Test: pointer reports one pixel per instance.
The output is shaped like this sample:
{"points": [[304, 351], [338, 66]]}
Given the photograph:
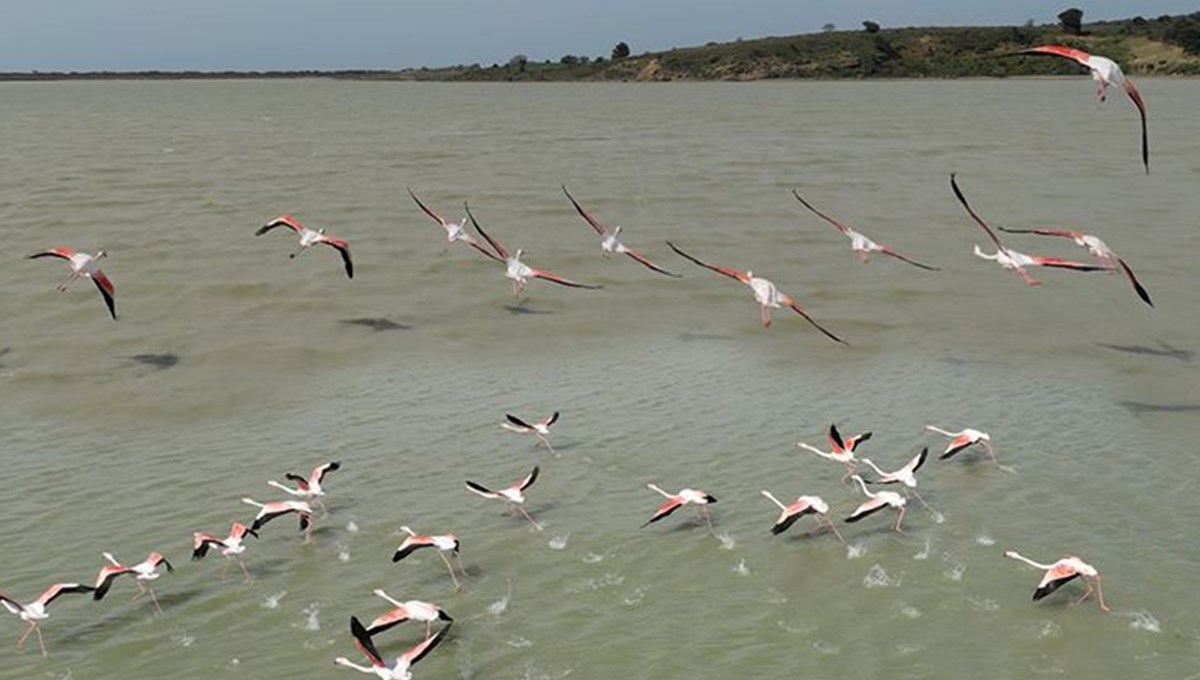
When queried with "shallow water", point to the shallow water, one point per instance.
{"points": [[231, 365]]}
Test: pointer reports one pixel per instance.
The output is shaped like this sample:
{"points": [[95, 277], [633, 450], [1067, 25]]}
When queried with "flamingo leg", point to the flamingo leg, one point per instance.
{"points": [[308, 531], [899, 519], [707, 518], [67, 281], [1028, 279], [826, 521], [225, 569], [1087, 592], [851, 468], [428, 629], [244, 571], [298, 251], [1100, 596], [546, 441], [21, 642], [988, 448], [41, 643], [531, 520], [927, 506], [141, 591], [864, 256], [154, 599], [450, 568], [766, 316]]}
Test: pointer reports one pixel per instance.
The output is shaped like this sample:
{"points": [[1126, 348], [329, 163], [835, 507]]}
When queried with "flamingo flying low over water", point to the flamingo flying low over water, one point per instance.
{"points": [[146, 570], [271, 510], [35, 612], [1061, 572], [513, 494], [455, 231], [765, 292], [1107, 73], [310, 237], [675, 501], [1011, 259], [517, 271], [398, 669], [877, 501], [231, 546], [309, 488], [840, 450], [803, 505], [445, 543], [86, 265], [962, 439], [415, 610], [1098, 249], [539, 429], [859, 243], [906, 475], [610, 242]]}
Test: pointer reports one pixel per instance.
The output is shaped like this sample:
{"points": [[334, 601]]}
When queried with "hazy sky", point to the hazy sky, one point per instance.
{"points": [[83, 35]]}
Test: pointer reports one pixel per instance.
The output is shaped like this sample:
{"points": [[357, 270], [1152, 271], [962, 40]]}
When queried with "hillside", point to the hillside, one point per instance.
{"points": [[1142, 46]]}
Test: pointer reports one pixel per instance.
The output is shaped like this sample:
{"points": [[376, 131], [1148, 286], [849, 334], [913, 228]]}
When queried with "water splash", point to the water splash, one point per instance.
{"points": [[184, 640], [606, 581], [826, 647], [1049, 629], [878, 578], [911, 612], [1144, 620], [272, 601], [311, 622], [500, 606], [954, 569], [343, 552], [984, 605], [592, 558], [559, 542], [924, 553], [726, 540], [636, 598], [741, 568], [352, 527], [855, 550], [984, 539], [519, 643], [938, 517]]}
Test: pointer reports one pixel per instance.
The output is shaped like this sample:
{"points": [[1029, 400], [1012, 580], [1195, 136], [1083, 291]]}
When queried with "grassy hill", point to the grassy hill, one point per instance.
{"points": [[1143, 46]]}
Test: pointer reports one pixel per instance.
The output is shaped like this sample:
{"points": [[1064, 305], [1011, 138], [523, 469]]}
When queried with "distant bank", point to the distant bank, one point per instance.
{"points": [[1166, 45]]}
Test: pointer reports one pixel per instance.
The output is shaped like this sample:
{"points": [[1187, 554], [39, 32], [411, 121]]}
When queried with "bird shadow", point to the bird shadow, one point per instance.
{"points": [[1140, 407], [520, 308], [161, 361], [378, 324], [135, 613], [1163, 350]]}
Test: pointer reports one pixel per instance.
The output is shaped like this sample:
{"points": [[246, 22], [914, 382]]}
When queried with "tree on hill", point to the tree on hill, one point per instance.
{"points": [[620, 51], [871, 26], [1072, 20], [828, 28]]}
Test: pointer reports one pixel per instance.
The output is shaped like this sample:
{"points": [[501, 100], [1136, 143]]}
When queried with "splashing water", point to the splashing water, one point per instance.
{"points": [[726, 540], [825, 647], [741, 568], [938, 517], [878, 578], [983, 539], [352, 527], [272, 601], [1144, 620], [559, 542], [311, 622], [592, 558], [924, 553], [500, 606], [636, 597], [855, 550], [184, 640], [985, 605], [519, 643], [343, 552], [954, 569], [911, 612]]}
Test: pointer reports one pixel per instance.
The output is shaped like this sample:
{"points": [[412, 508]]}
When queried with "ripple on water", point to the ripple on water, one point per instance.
{"points": [[878, 578], [1144, 620], [559, 542], [272, 601]]}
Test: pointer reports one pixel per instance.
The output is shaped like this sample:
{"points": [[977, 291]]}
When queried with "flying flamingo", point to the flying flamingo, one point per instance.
{"points": [[1099, 250], [398, 669], [513, 494], [803, 505], [445, 543], [905, 475], [1060, 573], [610, 242], [87, 265], [35, 612], [765, 292], [1107, 74], [455, 231], [539, 429], [876, 501], [858, 242], [309, 237], [412, 609], [1011, 259], [231, 546], [962, 439], [677, 500], [310, 488], [273, 509], [517, 271], [841, 450], [146, 570]]}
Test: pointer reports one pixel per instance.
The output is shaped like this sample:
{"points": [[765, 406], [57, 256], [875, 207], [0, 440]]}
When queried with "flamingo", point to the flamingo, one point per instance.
{"points": [[841, 450], [610, 242], [273, 509], [231, 546], [455, 231], [803, 505], [1060, 573], [1098, 249], [309, 237], [35, 612], [146, 570], [876, 501], [517, 271], [905, 475], [1011, 259], [398, 669], [310, 488], [962, 439], [445, 543], [859, 243], [1107, 74], [675, 501], [765, 292], [86, 265], [411, 609], [513, 494], [539, 429]]}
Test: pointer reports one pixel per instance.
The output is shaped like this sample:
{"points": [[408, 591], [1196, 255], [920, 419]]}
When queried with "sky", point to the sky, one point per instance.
{"points": [[246, 35]]}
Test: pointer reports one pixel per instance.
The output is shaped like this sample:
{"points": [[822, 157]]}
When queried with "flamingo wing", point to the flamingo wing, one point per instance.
{"points": [[1060, 263], [551, 420], [436, 217], [785, 521], [957, 444], [891, 253], [1043, 232], [319, 472], [1055, 578], [796, 308], [840, 226], [647, 263], [671, 505], [1137, 286], [301, 483], [344, 248], [53, 592], [409, 545], [978, 220], [1060, 51], [600, 228], [418, 651], [528, 480], [201, 542], [362, 640], [555, 278], [107, 291], [731, 273], [517, 421], [388, 620], [869, 507], [1136, 98], [281, 221], [481, 490], [917, 461], [64, 253], [835, 439], [496, 245]]}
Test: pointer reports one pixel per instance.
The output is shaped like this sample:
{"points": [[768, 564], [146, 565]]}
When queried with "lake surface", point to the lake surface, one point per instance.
{"points": [[232, 365]]}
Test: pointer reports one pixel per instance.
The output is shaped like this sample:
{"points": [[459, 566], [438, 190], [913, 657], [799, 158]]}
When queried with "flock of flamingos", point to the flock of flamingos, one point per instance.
{"points": [[308, 492]]}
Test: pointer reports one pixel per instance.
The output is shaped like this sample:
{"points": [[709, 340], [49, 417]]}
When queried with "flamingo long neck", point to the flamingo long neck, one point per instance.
{"points": [[408, 531], [1018, 556], [109, 556], [387, 597], [342, 661], [863, 484], [653, 487], [251, 501], [774, 499], [874, 467]]}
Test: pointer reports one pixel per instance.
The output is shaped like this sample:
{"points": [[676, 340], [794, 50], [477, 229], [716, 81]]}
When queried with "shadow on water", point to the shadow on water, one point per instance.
{"points": [[1163, 350], [159, 361], [703, 337], [3, 352], [520, 308], [1140, 407], [378, 324]]}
